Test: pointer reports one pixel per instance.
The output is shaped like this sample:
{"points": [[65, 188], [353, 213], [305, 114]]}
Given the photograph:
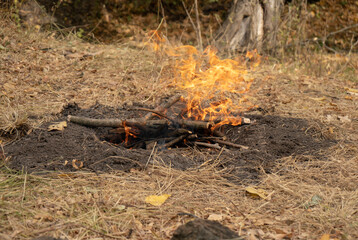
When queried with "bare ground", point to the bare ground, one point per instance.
{"points": [[309, 194]]}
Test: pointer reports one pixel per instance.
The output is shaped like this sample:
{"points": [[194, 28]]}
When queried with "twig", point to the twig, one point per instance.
{"points": [[150, 156], [230, 144], [209, 145], [164, 106], [335, 32], [179, 131], [198, 25], [342, 30], [24, 189], [175, 141], [190, 19], [152, 111], [241, 120]]}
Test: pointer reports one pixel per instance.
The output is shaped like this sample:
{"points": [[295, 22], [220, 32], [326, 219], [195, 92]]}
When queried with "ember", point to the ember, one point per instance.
{"points": [[213, 94]]}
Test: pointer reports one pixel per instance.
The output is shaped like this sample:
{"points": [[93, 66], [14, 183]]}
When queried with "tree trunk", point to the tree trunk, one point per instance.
{"points": [[251, 24]]}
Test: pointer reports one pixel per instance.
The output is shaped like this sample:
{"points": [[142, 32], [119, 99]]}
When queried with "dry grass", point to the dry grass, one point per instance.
{"points": [[37, 83]]}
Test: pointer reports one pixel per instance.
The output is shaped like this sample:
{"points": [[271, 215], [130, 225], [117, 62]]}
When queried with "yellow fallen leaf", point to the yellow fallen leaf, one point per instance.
{"points": [[157, 200], [331, 130], [325, 237], [57, 126], [351, 90], [257, 192], [215, 217]]}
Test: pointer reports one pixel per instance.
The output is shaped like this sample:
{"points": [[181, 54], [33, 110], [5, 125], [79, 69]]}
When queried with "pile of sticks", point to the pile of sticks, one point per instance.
{"points": [[157, 128]]}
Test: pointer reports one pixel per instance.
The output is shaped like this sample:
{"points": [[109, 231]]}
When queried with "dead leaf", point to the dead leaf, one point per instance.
{"points": [[331, 130], [352, 91], [344, 119], [44, 217], [120, 207], [264, 221], [157, 200], [315, 200], [257, 192], [325, 237], [330, 118], [215, 217], [60, 126], [9, 87], [75, 165]]}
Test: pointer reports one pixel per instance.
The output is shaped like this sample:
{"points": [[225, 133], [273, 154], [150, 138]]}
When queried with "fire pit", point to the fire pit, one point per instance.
{"points": [[157, 128]]}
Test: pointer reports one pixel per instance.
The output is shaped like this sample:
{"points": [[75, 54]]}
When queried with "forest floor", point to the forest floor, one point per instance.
{"points": [[303, 153]]}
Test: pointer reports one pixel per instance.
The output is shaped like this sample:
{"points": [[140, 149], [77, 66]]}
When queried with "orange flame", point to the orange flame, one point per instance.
{"points": [[214, 88], [129, 131]]}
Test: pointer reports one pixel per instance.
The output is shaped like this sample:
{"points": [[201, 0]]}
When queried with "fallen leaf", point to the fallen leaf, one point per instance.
{"points": [[331, 130], [120, 207], [9, 87], [315, 200], [330, 118], [60, 126], [344, 119], [256, 192], [352, 91], [215, 217], [44, 217], [264, 221], [157, 200], [325, 237]]}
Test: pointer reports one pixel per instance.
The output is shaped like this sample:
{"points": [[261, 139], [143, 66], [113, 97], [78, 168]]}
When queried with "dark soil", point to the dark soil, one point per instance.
{"points": [[201, 229], [269, 138]]}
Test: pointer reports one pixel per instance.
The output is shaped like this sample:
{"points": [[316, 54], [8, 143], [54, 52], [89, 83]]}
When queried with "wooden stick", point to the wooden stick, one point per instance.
{"points": [[209, 145], [179, 131], [91, 122], [230, 144], [235, 119], [218, 133], [163, 107], [152, 111], [175, 141], [195, 124]]}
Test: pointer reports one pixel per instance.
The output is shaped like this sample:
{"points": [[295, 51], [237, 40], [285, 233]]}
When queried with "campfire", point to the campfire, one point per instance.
{"points": [[213, 93]]}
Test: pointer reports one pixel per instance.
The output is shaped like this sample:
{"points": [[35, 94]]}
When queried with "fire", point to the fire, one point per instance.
{"points": [[129, 131], [215, 88]]}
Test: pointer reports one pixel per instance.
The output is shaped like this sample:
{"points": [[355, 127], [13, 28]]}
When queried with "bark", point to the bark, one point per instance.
{"points": [[251, 24]]}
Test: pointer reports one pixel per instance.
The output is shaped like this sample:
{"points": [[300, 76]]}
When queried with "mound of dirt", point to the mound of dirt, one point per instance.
{"points": [[269, 138]]}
